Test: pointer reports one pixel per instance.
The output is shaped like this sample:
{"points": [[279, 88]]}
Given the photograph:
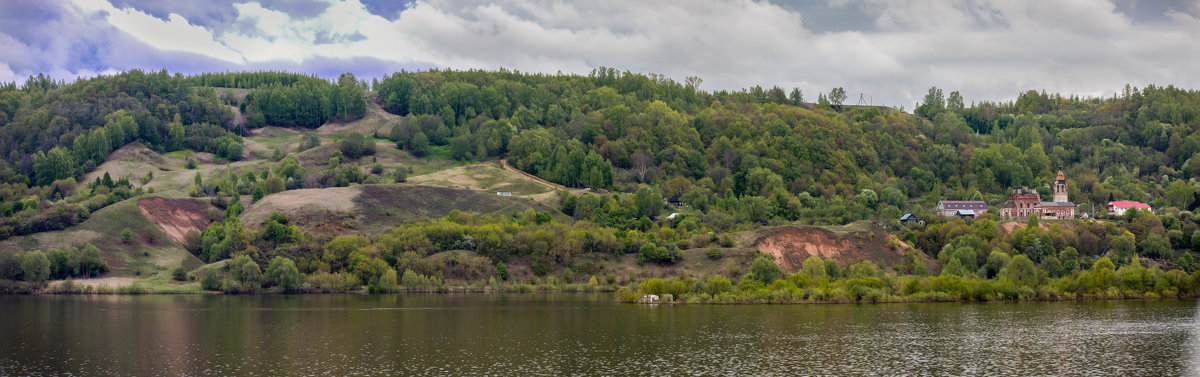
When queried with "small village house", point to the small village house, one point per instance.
{"points": [[1119, 207], [961, 208]]}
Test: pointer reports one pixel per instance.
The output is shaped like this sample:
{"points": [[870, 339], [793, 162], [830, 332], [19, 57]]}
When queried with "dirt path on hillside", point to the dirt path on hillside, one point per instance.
{"points": [[543, 182], [374, 120]]}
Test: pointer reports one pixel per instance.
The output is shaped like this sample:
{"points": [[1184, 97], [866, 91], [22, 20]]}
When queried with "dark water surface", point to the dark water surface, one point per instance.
{"points": [[586, 334]]}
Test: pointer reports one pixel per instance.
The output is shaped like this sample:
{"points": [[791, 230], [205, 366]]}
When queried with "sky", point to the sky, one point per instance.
{"points": [[882, 51]]}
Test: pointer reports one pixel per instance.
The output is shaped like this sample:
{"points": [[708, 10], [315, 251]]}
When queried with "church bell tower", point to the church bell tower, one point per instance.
{"points": [[1060, 188]]}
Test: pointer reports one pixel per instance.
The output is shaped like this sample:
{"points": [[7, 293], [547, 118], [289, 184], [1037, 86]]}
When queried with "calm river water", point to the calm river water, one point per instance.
{"points": [[586, 334]]}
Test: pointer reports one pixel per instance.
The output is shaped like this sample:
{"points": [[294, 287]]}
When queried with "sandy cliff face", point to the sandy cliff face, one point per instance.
{"points": [[791, 245]]}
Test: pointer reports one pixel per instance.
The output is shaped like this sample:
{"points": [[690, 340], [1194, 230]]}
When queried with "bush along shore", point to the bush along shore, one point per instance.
{"points": [[220, 280], [1016, 279]]}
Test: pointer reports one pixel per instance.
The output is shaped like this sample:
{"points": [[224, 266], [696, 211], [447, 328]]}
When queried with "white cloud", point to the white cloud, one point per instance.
{"points": [[988, 49], [173, 34]]}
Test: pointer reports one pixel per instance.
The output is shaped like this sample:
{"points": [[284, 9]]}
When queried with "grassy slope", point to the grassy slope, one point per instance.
{"points": [[151, 255], [484, 176], [374, 209]]}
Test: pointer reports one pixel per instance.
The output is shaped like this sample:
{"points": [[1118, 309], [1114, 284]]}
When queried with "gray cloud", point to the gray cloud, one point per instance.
{"points": [[888, 51]]}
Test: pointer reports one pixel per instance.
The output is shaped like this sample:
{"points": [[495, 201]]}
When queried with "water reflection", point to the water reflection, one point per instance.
{"points": [[1193, 362], [570, 334]]}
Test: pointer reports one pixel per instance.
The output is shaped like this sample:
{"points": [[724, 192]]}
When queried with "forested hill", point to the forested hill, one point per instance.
{"points": [[51, 130], [824, 161]]}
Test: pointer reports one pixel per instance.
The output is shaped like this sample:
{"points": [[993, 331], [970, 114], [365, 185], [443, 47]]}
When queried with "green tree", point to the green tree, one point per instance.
{"points": [[1021, 270], [996, 261], [953, 267], [387, 282], [1180, 194], [796, 97], [648, 201], [419, 145], [954, 102], [247, 271], [35, 267], [765, 269], [836, 97], [282, 272], [1123, 247], [932, 105], [356, 145], [716, 285], [864, 269], [1157, 246], [814, 269]]}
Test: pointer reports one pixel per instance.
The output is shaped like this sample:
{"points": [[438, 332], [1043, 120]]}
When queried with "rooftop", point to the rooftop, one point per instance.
{"points": [[962, 204], [1128, 204], [1056, 204]]}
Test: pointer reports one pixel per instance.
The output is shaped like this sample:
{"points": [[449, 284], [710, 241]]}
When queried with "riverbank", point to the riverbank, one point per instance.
{"points": [[155, 286], [635, 298], [865, 284]]}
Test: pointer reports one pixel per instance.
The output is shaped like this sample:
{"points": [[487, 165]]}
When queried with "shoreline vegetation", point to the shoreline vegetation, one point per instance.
{"points": [[818, 282], [71, 287]]}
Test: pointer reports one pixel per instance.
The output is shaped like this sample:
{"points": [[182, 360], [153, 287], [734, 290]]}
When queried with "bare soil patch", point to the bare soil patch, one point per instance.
{"points": [[791, 245], [176, 216]]}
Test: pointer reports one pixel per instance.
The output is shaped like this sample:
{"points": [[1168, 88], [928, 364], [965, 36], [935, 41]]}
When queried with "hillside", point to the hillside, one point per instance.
{"points": [[152, 253], [454, 174], [373, 209]]}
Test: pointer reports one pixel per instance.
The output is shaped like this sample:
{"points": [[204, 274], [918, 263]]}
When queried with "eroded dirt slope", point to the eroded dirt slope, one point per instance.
{"points": [[791, 245], [176, 216]]}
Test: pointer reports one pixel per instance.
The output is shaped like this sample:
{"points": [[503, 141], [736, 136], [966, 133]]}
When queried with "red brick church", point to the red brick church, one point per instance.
{"points": [[1023, 201]]}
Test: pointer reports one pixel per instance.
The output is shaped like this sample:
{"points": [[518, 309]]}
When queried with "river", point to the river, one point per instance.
{"points": [[585, 334]]}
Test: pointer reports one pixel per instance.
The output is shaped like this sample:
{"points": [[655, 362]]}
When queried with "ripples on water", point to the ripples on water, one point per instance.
{"points": [[586, 335]]}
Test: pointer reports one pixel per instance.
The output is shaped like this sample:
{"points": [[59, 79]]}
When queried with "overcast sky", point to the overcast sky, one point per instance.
{"points": [[891, 52]]}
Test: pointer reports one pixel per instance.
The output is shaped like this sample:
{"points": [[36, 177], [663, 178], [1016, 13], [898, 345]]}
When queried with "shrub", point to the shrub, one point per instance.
{"points": [[714, 253], [650, 252], [210, 282], [502, 271]]}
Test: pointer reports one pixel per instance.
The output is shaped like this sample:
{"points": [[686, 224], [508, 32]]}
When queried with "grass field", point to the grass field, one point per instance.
{"points": [[484, 176]]}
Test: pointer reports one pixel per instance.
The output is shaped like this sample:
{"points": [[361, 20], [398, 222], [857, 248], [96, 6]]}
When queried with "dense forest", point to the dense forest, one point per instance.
{"points": [[52, 132], [646, 145]]}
